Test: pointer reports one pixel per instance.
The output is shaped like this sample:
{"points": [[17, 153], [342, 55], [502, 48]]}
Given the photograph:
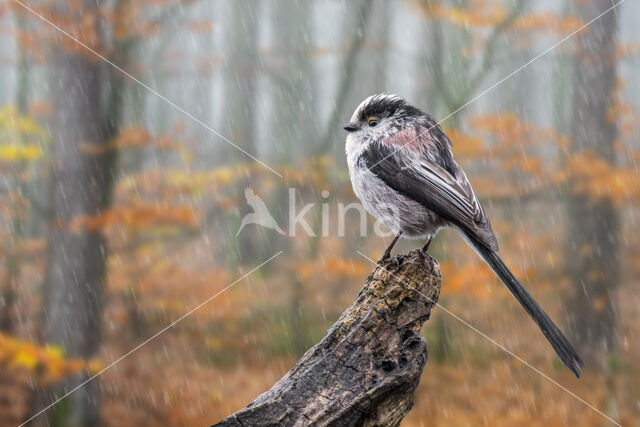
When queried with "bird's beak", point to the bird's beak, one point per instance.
{"points": [[349, 127]]}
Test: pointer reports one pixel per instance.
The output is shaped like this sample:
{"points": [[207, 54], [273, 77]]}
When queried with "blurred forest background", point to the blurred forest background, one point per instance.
{"points": [[119, 203]]}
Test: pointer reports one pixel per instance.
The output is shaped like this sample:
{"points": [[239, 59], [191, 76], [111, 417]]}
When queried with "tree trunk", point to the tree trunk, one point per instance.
{"points": [[13, 262], [592, 250], [240, 114], [339, 112], [85, 119], [366, 369]]}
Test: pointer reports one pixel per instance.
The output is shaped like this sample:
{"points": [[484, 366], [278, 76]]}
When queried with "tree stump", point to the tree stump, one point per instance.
{"points": [[366, 369]]}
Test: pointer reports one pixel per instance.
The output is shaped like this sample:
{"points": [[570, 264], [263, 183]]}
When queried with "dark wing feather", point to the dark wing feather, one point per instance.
{"points": [[433, 187]]}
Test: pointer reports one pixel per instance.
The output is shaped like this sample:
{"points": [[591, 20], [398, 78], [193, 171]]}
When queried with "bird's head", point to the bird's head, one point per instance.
{"points": [[379, 116]]}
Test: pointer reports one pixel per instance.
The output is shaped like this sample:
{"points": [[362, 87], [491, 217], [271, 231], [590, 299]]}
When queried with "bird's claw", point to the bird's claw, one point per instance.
{"points": [[396, 261]]}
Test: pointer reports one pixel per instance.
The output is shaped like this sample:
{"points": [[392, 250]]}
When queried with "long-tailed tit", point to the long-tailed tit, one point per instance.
{"points": [[402, 169]]}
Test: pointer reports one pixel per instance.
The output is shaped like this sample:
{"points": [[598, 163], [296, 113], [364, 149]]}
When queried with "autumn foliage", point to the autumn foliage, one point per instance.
{"points": [[178, 201]]}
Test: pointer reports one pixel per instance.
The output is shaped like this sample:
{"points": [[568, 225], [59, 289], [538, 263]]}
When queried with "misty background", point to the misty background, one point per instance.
{"points": [[121, 195]]}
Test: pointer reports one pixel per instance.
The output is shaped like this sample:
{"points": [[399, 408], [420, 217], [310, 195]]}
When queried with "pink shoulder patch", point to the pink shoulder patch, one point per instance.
{"points": [[409, 138]]}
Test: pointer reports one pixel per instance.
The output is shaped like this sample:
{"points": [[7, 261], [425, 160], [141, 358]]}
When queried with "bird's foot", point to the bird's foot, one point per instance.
{"points": [[395, 261]]}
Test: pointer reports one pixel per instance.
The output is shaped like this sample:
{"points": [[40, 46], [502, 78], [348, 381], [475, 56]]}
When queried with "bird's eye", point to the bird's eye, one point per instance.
{"points": [[373, 122]]}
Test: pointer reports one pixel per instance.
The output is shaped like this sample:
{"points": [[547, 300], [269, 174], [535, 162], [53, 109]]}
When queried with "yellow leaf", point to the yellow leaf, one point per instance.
{"points": [[25, 358], [13, 152]]}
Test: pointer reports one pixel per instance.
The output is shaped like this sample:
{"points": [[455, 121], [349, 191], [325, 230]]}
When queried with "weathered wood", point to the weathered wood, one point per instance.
{"points": [[367, 367]]}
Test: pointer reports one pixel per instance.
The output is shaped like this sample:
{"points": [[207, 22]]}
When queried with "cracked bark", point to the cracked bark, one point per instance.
{"points": [[366, 369]]}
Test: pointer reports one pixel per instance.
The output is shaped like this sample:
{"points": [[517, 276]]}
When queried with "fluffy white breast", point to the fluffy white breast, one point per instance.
{"points": [[395, 211]]}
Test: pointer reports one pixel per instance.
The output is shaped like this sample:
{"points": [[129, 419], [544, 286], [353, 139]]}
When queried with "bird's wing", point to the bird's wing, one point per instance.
{"points": [[428, 183]]}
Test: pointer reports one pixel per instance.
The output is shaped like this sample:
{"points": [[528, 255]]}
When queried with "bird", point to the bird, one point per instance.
{"points": [[402, 169], [260, 214]]}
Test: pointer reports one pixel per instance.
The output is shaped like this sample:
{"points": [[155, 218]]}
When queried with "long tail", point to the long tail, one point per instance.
{"points": [[560, 344]]}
